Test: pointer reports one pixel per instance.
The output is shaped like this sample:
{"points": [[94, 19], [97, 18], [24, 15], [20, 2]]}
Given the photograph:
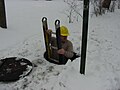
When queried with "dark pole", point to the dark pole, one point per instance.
{"points": [[84, 36], [3, 23]]}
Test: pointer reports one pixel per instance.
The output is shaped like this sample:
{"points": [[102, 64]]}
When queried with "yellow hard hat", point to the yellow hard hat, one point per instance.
{"points": [[64, 31]]}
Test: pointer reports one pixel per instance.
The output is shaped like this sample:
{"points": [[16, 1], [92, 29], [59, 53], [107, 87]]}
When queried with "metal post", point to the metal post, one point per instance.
{"points": [[84, 36], [3, 23]]}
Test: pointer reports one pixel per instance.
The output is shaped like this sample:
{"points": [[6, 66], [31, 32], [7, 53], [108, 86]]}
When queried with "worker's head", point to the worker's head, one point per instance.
{"points": [[64, 33]]}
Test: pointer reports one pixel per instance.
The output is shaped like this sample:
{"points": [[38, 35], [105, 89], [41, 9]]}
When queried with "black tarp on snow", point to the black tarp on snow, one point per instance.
{"points": [[14, 68]]}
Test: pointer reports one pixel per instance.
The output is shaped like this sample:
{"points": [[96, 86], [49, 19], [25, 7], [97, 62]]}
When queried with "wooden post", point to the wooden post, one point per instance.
{"points": [[84, 36], [3, 21]]}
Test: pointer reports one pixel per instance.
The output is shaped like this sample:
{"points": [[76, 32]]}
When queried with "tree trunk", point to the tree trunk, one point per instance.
{"points": [[106, 3]]}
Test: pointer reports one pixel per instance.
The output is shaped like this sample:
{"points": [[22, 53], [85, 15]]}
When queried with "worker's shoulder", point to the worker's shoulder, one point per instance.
{"points": [[69, 42]]}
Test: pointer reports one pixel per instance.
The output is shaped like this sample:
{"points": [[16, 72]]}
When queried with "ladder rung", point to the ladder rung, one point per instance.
{"points": [[54, 60]]}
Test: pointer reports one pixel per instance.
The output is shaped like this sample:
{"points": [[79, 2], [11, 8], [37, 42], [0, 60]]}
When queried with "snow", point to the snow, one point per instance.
{"points": [[24, 38]]}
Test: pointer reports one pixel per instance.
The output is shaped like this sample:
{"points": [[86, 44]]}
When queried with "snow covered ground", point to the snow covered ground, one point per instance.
{"points": [[24, 38]]}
